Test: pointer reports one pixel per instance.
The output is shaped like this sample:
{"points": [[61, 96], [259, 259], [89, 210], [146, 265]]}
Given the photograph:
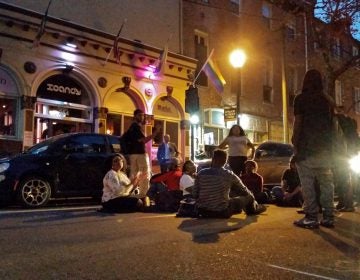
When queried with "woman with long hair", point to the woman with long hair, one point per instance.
{"points": [[238, 145]]}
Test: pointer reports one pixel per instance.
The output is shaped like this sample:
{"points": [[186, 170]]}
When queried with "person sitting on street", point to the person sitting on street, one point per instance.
{"points": [[254, 181], [219, 193], [187, 205], [289, 194], [118, 188], [165, 188]]}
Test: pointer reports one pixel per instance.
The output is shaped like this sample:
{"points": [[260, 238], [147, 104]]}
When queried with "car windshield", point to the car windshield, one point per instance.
{"points": [[274, 150], [43, 146]]}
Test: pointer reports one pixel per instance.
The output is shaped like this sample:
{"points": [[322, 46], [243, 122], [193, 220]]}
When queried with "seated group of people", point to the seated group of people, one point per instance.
{"points": [[213, 192]]}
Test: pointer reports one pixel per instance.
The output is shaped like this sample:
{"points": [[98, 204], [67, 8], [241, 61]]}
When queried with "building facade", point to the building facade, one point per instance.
{"points": [[278, 42], [68, 80]]}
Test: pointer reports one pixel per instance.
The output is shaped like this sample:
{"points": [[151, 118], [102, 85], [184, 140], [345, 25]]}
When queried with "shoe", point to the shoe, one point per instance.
{"points": [[306, 223], [327, 223], [339, 206], [259, 209], [347, 209], [300, 211]]}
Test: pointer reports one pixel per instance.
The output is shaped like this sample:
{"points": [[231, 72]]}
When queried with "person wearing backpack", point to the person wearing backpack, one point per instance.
{"points": [[135, 141]]}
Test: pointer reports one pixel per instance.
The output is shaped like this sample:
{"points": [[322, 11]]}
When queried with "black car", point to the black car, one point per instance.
{"points": [[67, 165]]}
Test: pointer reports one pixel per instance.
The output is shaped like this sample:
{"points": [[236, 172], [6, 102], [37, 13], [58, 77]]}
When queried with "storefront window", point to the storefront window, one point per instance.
{"points": [[8, 113]]}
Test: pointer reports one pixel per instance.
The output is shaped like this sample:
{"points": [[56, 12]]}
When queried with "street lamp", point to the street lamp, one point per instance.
{"points": [[237, 60], [194, 120]]}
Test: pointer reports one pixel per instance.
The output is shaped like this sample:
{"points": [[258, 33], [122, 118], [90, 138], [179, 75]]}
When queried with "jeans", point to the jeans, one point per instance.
{"points": [[311, 169]]}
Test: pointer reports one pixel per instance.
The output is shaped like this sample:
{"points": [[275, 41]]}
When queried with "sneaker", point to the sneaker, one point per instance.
{"points": [[259, 209], [306, 223], [327, 223], [300, 211]]}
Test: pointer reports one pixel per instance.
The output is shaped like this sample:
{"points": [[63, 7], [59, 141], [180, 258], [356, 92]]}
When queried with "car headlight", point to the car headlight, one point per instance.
{"points": [[355, 163], [4, 166]]}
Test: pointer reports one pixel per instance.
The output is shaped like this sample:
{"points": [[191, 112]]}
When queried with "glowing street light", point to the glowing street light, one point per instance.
{"points": [[237, 59]]}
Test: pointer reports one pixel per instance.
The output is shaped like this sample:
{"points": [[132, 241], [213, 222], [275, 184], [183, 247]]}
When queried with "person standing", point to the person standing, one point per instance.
{"points": [[312, 140], [166, 152], [136, 151], [238, 145]]}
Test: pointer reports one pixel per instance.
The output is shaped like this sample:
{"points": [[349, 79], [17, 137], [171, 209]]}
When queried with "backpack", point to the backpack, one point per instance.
{"points": [[125, 143]]}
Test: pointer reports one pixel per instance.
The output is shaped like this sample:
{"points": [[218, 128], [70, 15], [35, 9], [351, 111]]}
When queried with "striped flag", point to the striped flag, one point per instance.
{"points": [[162, 61], [41, 31], [213, 73]]}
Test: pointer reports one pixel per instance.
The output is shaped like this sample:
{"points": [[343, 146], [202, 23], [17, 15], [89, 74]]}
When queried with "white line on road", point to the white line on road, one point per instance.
{"points": [[302, 272]]}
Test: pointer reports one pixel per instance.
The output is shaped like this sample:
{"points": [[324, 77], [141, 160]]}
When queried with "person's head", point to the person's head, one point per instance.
{"points": [[219, 158], [236, 130], [189, 167], [175, 164], [250, 166], [166, 138], [139, 116], [118, 162], [312, 82]]}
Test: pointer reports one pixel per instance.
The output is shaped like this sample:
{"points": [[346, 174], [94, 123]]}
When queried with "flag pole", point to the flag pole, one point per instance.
{"points": [[202, 68], [42, 27], [116, 38]]}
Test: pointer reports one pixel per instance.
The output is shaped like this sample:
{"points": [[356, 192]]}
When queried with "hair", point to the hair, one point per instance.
{"points": [[123, 159], [231, 132], [312, 82], [292, 159], [187, 165], [138, 111], [251, 162], [219, 156]]}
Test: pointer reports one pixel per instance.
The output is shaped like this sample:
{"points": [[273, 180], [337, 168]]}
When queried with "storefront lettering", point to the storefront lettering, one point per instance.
{"points": [[164, 109], [62, 89]]}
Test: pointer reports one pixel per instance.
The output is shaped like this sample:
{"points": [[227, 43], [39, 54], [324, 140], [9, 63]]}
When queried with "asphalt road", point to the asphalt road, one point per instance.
{"points": [[80, 243]]}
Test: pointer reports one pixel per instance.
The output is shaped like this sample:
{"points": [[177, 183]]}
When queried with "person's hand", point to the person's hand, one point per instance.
{"points": [[287, 196]]}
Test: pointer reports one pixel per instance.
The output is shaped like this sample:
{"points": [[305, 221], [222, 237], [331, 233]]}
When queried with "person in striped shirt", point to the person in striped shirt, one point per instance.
{"points": [[219, 193]]}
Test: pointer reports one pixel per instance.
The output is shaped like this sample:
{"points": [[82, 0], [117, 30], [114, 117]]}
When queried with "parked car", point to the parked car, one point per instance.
{"points": [[67, 165], [272, 159]]}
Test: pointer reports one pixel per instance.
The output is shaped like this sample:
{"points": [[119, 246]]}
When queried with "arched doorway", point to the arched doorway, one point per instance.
{"points": [[63, 105]]}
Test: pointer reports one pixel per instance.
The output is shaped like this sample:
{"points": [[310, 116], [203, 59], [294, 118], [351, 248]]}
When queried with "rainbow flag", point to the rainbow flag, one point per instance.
{"points": [[213, 73]]}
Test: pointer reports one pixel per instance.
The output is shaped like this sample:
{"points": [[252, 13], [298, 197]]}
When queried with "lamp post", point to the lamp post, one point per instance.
{"points": [[194, 120], [237, 60]]}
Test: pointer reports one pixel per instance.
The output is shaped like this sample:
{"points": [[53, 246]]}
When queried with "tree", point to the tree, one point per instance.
{"points": [[340, 19], [329, 20]]}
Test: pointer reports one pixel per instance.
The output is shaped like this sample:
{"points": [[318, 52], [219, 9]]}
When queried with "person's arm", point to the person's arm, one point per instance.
{"points": [[252, 147], [223, 144], [294, 192], [237, 186], [195, 188], [298, 119]]}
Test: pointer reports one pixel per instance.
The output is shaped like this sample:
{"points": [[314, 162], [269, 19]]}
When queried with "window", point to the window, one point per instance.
{"points": [[336, 48], [355, 51], [201, 54], [338, 93], [290, 31], [291, 84], [268, 81], [8, 109], [87, 144], [266, 13], [357, 100], [235, 6]]}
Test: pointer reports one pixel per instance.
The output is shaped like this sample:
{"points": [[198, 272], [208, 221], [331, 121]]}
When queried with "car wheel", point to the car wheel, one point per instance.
{"points": [[34, 192]]}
